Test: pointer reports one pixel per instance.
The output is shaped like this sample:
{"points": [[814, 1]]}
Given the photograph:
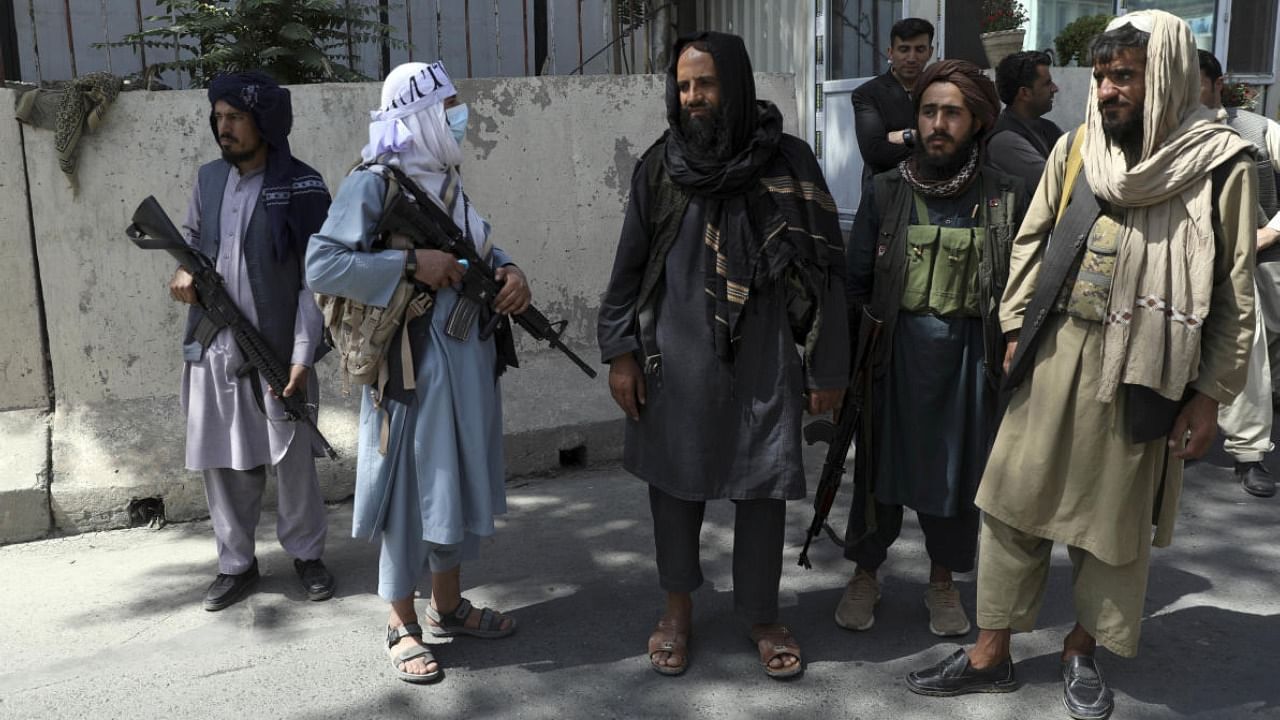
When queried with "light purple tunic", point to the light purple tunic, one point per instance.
{"points": [[225, 427]]}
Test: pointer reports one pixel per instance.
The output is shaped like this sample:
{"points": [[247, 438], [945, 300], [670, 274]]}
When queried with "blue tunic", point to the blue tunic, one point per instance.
{"points": [[442, 477]]}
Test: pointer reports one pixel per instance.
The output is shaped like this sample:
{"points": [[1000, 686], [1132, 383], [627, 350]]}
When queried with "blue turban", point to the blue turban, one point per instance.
{"points": [[294, 194]]}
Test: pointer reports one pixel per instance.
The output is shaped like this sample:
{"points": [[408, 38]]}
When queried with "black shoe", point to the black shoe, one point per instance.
{"points": [[316, 580], [1084, 692], [1255, 479], [955, 676], [228, 589]]}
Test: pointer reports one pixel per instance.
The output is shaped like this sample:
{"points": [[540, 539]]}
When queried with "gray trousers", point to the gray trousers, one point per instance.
{"points": [[758, 529], [235, 504], [1246, 422]]}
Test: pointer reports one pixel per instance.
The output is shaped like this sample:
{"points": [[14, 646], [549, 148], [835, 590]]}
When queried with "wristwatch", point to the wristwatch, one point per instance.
{"points": [[410, 264], [909, 137]]}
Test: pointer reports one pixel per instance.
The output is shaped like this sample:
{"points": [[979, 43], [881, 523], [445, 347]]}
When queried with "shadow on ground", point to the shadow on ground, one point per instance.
{"points": [[573, 562]]}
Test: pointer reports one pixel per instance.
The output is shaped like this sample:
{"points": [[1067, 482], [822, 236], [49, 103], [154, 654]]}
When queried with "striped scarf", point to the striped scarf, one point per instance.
{"points": [[783, 230]]}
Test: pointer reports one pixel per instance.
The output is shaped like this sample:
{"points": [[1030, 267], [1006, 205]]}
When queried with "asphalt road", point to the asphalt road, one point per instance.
{"points": [[109, 625]]}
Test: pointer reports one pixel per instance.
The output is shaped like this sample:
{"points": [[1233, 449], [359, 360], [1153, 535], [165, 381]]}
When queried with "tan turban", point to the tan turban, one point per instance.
{"points": [[978, 90]]}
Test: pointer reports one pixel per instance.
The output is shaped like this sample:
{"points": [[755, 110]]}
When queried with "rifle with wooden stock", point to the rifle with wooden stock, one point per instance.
{"points": [[839, 434]]}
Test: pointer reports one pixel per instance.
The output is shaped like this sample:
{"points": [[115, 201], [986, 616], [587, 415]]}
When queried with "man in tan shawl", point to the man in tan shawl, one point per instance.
{"points": [[1129, 312]]}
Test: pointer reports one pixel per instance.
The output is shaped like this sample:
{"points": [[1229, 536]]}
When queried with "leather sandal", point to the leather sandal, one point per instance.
{"points": [[398, 659], [454, 623], [669, 637], [776, 642]]}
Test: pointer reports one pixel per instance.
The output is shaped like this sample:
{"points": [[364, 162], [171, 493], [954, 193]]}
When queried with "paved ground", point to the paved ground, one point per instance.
{"points": [[109, 625]]}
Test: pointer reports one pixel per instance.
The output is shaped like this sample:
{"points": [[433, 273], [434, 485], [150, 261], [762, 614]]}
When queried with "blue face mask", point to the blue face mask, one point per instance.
{"points": [[457, 118]]}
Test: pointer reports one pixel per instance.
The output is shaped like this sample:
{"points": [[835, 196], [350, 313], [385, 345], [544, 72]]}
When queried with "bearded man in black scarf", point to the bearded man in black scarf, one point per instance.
{"points": [[929, 256], [723, 320]]}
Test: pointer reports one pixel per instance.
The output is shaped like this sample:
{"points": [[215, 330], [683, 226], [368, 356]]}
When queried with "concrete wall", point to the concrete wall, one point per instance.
{"points": [[549, 163], [24, 383], [1073, 95]]}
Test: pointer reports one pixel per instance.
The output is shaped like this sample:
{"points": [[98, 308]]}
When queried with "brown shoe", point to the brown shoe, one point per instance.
{"points": [[946, 614], [856, 610]]}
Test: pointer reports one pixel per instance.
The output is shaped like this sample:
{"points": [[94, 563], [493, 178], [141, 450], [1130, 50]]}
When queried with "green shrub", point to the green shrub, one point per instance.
{"points": [[1073, 42], [295, 41]]}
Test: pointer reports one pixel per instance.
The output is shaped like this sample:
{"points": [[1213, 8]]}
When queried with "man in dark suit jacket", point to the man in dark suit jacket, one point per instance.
{"points": [[882, 109]]}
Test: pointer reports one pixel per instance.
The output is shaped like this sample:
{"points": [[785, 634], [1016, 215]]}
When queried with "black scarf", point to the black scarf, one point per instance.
{"points": [[293, 193], [767, 205]]}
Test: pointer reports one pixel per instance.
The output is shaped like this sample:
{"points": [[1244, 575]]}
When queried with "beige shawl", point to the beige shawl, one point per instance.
{"points": [[1164, 264]]}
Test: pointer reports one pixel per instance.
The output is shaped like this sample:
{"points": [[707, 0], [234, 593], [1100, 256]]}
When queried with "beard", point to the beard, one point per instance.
{"points": [[236, 158], [1125, 134], [706, 138], [942, 167]]}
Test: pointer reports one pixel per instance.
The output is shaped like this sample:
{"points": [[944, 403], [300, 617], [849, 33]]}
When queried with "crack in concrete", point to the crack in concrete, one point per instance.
{"points": [[43, 321]]}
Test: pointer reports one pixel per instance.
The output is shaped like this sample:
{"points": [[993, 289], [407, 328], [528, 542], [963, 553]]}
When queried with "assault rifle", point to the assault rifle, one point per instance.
{"points": [[153, 230], [427, 224], [839, 435]]}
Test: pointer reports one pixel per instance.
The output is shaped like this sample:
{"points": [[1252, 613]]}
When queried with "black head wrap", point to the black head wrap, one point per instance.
{"points": [[754, 127], [768, 216], [294, 194]]}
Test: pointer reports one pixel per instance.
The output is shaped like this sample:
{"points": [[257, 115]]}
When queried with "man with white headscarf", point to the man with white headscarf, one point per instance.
{"points": [[1127, 330], [430, 473]]}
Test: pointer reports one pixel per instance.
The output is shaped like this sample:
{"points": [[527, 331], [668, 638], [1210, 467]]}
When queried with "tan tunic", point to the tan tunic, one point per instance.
{"points": [[1062, 466]]}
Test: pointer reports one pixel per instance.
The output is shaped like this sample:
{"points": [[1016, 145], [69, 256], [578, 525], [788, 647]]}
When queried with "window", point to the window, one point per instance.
{"points": [[858, 36], [1251, 50], [1201, 15], [1049, 17]]}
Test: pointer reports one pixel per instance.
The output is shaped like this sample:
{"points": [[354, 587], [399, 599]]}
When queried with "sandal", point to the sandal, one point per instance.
{"points": [[455, 623], [773, 643], [398, 660], [669, 638]]}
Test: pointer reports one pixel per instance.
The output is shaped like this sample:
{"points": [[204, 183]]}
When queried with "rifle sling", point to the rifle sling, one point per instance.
{"points": [[1066, 242]]}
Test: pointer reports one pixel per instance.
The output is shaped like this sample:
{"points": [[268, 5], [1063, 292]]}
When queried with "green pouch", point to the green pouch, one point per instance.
{"points": [[922, 249], [973, 297], [951, 271], [1092, 288]]}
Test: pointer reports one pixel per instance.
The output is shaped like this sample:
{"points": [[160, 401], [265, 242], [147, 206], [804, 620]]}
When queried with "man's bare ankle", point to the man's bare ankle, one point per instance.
{"points": [[981, 660]]}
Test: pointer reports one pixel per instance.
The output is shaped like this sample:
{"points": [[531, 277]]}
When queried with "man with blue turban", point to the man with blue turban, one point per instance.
{"points": [[252, 212]]}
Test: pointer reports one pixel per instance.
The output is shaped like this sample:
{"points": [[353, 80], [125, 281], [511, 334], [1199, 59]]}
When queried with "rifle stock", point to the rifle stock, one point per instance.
{"points": [[840, 434], [152, 229]]}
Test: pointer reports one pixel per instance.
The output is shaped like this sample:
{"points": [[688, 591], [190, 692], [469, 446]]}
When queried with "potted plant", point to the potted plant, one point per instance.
{"points": [[1072, 44], [1238, 94], [1002, 32]]}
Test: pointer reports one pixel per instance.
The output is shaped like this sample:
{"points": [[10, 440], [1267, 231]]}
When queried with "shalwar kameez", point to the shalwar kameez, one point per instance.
{"points": [[255, 226], [430, 474]]}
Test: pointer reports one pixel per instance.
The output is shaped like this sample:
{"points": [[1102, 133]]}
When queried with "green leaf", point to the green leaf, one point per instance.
{"points": [[296, 31]]}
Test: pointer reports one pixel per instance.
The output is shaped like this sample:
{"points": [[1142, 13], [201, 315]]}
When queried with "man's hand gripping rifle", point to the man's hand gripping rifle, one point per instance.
{"points": [[839, 435], [153, 230], [419, 218]]}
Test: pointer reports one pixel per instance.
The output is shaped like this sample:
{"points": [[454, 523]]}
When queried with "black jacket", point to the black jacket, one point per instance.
{"points": [[880, 106]]}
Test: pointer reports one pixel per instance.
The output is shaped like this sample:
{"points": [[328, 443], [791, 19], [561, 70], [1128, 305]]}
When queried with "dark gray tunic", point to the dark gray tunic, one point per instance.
{"points": [[935, 408], [713, 430]]}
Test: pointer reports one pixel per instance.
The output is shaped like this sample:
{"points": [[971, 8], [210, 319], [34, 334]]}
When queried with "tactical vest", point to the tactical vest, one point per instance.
{"points": [[999, 195], [275, 284], [942, 266]]}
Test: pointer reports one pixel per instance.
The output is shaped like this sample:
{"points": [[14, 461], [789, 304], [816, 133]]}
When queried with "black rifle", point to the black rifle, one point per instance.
{"points": [[839, 435], [428, 226], [153, 230]]}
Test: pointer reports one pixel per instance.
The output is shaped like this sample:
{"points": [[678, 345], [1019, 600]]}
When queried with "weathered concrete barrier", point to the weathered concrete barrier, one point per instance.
{"points": [[549, 163]]}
